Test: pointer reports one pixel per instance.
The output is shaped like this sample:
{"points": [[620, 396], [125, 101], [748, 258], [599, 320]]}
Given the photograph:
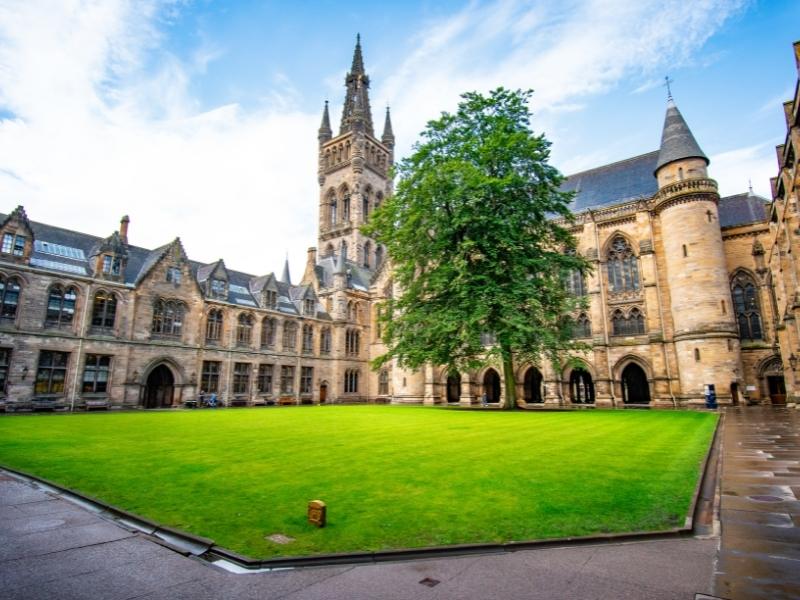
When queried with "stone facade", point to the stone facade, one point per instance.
{"points": [[687, 289]]}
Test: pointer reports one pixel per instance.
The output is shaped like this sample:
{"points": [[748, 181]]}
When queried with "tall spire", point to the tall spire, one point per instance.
{"points": [[325, 132], [677, 141], [357, 68], [356, 112], [286, 278], [388, 135]]}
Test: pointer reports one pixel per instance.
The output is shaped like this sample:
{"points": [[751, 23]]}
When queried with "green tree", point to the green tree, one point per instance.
{"points": [[477, 246]]}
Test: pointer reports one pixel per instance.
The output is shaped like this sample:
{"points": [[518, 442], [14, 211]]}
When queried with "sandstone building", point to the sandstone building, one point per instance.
{"points": [[688, 289]]}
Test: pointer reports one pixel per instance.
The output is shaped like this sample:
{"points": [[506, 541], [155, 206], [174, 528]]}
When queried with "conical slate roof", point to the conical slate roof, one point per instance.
{"points": [[677, 141]]}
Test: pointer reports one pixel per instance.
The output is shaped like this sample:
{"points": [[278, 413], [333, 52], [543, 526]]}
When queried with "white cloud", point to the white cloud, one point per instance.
{"points": [[95, 136], [98, 132], [734, 170]]}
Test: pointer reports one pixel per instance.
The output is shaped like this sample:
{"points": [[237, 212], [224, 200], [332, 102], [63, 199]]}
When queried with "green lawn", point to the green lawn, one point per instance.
{"points": [[393, 477]]}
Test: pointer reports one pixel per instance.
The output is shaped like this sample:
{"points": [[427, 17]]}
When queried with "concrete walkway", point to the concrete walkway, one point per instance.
{"points": [[52, 548], [759, 555]]}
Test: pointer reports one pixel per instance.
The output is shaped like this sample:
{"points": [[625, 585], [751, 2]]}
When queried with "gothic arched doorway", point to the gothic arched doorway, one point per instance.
{"points": [[772, 372], [581, 387], [323, 393], [533, 386], [159, 388], [491, 386], [454, 388], [635, 389]]}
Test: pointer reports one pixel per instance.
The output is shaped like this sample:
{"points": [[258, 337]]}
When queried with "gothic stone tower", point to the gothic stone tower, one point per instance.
{"points": [[705, 333], [353, 169]]}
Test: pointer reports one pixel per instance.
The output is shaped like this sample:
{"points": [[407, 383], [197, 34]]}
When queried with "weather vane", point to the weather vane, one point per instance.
{"points": [[667, 81]]}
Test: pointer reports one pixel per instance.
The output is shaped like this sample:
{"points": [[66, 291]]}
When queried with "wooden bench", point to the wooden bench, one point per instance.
{"points": [[287, 401], [92, 403]]}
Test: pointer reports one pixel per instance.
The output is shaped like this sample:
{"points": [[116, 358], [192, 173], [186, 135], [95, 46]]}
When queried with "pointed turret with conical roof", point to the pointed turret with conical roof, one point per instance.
{"points": [[325, 132], [286, 278], [388, 135], [356, 111], [677, 141]]}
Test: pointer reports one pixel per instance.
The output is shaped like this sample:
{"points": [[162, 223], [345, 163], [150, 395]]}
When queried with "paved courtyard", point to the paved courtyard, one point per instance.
{"points": [[53, 548]]}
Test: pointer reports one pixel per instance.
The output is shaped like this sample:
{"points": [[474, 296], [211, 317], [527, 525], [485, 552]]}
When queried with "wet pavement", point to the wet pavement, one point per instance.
{"points": [[759, 555]]}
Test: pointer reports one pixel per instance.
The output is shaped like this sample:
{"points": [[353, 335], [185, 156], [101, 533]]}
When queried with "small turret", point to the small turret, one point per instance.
{"points": [[325, 132], [388, 135], [286, 278], [679, 156]]}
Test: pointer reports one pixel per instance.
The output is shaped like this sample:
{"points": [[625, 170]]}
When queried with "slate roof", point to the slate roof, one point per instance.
{"points": [[619, 182], [142, 260], [677, 141], [742, 209], [358, 276]]}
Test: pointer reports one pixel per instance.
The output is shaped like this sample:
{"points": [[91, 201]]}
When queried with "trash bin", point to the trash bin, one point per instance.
{"points": [[711, 396]]}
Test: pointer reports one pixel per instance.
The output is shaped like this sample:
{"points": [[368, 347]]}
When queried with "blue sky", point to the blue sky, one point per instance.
{"points": [[199, 118]]}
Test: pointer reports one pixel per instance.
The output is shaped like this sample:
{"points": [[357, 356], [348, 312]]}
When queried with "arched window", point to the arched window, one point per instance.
{"points": [[351, 311], [630, 324], [746, 307], [623, 269], [244, 329], [329, 250], [351, 342], [334, 210], [214, 326], [60, 306], [325, 341], [168, 318], [367, 252], [383, 383], [575, 283], [378, 256], [582, 327], [9, 297], [289, 335], [104, 310], [308, 339], [268, 332], [351, 381], [346, 207], [365, 205]]}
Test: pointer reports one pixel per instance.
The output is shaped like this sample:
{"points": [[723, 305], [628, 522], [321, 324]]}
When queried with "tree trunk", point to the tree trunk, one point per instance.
{"points": [[510, 399]]}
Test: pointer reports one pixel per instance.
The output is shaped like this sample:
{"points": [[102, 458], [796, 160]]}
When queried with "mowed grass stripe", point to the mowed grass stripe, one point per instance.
{"points": [[393, 477]]}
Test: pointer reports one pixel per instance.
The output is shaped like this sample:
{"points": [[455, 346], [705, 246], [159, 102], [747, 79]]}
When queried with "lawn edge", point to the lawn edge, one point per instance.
{"points": [[190, 544]]}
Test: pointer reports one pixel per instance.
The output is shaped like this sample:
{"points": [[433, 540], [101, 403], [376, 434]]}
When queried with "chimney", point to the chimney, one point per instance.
{"points": [[123, 229]]}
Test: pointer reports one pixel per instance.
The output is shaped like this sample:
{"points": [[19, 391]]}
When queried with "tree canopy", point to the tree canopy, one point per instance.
{"points": [[475, 231]]}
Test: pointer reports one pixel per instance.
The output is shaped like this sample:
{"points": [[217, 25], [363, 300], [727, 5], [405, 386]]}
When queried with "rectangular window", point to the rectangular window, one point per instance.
{"points": [[287, 380], [218, 287], [8, 243], [241, 378], [111, 264], [5, 362], [265, 379], [271, 299], [19, 245], [209, 380], [51, 372], [174, 275], [95, 374], [306, 379]]}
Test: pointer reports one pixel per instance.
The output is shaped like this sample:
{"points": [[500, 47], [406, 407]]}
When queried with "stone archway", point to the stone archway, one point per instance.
{"points": [[491, 386], [532, 386], [772, 380], [581, 386], [635, 387], [159, 388], [453, 388]]}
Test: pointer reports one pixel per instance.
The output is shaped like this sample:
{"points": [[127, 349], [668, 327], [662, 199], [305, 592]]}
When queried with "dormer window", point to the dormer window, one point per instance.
{"points": [[14, 244], [174, 275], [218, 288], [308, 307], [271, 299], [111, 265]]}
